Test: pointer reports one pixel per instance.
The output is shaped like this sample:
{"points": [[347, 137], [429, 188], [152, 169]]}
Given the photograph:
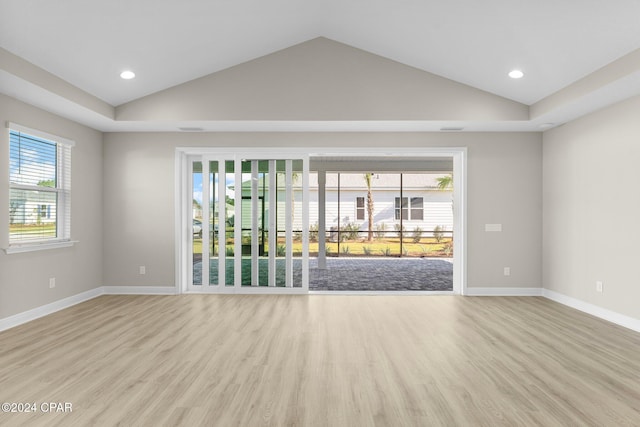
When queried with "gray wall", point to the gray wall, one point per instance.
{"points": [[322, 80], [24, 277], [504, 186], [592, 210]]}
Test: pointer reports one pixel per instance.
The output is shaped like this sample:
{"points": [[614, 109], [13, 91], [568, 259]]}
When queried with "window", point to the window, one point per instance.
{"points": [[360, 208], [39, 190], [409, 212], [416, 208]]}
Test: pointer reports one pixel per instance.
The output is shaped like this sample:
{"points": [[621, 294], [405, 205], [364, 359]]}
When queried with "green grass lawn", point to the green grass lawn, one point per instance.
{"points": [[45, 230], [426, 247]]}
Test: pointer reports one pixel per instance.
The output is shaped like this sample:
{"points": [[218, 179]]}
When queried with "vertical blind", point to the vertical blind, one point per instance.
{"points": [[40, 186]]}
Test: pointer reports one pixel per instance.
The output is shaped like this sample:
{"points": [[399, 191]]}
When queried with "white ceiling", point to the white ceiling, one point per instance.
{"points": [[168, 42]]}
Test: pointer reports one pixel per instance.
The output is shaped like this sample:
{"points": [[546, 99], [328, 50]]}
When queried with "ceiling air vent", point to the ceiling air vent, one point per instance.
{"points": [[191, 129]]}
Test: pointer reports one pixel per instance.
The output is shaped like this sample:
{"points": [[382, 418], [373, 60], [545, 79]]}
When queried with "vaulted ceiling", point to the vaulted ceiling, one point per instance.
{"points": [[66, 56]]}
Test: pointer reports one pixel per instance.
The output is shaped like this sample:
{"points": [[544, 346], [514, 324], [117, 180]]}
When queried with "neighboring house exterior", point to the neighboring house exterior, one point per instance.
{"points": [[32, 209], [422, 205]]}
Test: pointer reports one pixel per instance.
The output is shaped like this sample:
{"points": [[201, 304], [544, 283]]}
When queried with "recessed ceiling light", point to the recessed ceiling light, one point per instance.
{"points": [[516, 74], [127, 75]]}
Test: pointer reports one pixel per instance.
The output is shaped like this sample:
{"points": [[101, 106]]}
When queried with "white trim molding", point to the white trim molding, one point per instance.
{"points": [[33, 314], [594, 310], [35, 246], [503, 292], [384, 293], [139, 290], [36, 313]]}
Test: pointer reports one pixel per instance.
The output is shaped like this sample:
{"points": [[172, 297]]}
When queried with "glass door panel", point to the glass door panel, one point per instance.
{"points": [[228, 239], [196, 223], [297, 219], [248, 230], [214, 206]]}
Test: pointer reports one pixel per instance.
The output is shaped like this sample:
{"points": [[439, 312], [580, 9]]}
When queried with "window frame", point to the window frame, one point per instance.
{"points": [[62, 190], [406, 209], [360, 209]]}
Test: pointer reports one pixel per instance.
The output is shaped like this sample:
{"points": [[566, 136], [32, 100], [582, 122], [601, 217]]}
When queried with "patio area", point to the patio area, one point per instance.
{"points": [[357, 274], [382, 274]]}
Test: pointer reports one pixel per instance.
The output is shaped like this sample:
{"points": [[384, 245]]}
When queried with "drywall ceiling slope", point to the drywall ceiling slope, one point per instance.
{"points": [[169, 42], [322, 80], [321, 86]]}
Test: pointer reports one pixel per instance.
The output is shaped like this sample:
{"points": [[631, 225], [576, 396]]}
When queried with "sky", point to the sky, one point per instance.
{"points": [[32, 159]]}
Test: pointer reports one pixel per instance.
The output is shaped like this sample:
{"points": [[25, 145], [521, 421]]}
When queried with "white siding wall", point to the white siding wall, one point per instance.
{"points": [[436, 210], [436, 207]]}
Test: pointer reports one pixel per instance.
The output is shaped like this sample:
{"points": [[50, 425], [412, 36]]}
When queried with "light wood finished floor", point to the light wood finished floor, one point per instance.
{"points": [[322, 361]]}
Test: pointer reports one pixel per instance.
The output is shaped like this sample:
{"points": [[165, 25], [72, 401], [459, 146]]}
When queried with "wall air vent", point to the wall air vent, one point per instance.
{"points": [[451, 129], [191, 129]]}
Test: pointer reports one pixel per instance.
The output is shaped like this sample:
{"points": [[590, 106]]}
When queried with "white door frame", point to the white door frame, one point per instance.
{"points": [[184, 227]]}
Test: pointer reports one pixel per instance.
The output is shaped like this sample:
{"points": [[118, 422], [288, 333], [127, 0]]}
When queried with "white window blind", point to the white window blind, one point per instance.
{"points": [[40, 187]]}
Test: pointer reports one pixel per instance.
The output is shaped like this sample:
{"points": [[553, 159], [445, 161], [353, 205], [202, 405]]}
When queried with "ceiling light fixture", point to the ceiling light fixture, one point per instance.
{"points": [[516, 74], [127, 75]]}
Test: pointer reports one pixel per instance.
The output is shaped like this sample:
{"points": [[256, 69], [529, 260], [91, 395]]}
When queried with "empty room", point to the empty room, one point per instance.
{"points": [[319, 213]]}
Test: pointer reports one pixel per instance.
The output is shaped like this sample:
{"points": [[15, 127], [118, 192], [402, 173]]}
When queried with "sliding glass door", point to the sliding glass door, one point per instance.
{"points": [[249, 223]]}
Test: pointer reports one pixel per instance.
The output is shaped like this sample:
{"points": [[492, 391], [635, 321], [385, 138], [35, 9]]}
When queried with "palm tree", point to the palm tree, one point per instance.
{"points": [[367, 179], [445, 182]]}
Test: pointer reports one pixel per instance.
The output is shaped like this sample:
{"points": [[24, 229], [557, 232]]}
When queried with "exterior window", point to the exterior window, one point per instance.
{"points": [[360, 208], [409, 212], [416, 209], [39, 188]]}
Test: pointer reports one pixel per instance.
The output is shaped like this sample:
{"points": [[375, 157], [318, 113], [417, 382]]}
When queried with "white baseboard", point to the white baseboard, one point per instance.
{"points": [[139, 290], [594, 310], [383, 293], [29, 315], [35, 313], [503, 292]]}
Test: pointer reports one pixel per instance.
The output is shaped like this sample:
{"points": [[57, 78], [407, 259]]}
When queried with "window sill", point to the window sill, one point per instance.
{"points": [[32, 247]]}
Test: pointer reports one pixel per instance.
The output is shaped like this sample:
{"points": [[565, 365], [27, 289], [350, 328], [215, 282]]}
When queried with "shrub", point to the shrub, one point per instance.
{"points": [[229, 250], [350, 231], [345, 250], [379, 232], [281, 250], [313, 232], [367, 250], [417, 235], [448, 248], [398, 230], [386, 251], [438, 233]]}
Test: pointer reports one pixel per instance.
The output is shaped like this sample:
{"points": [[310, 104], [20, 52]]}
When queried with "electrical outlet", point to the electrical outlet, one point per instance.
{"points": [[143, 269], [52, 282], [599, 286], [507, 271]]}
